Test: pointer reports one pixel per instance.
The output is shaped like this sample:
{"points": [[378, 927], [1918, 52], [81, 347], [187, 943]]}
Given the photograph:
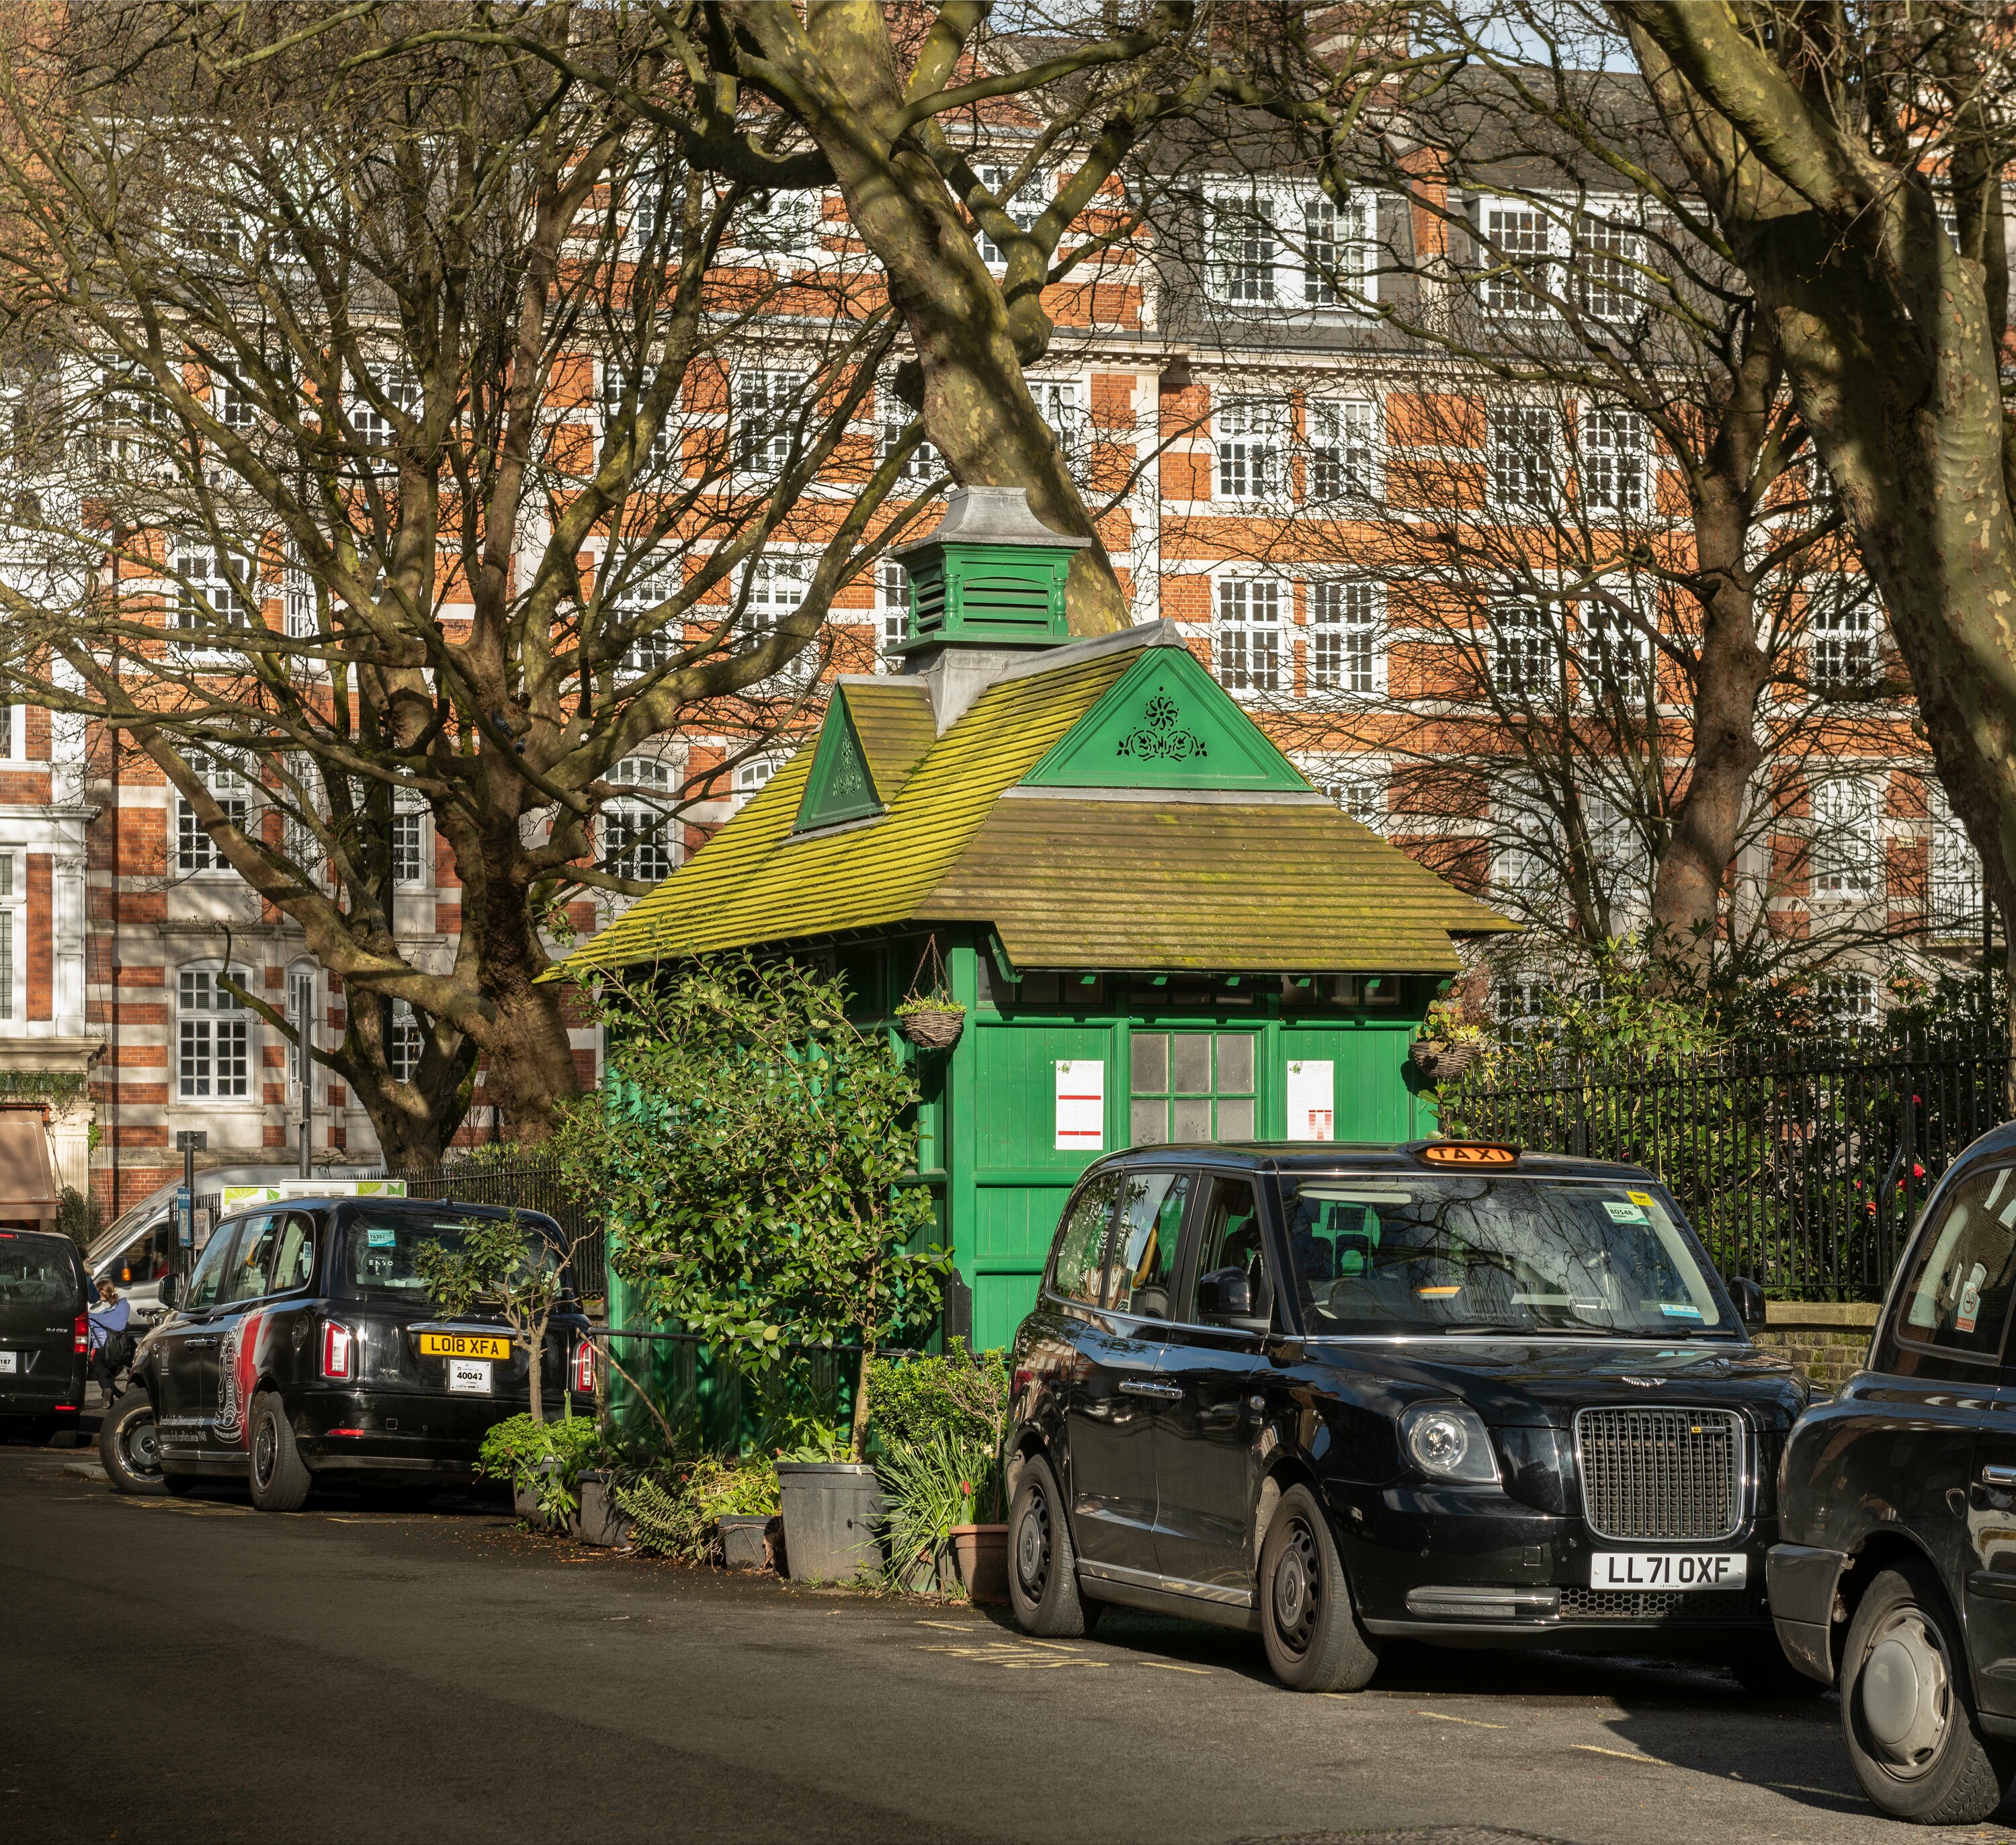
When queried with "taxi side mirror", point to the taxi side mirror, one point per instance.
{"points": [[1224, 1294], [1749, 1302], [171, 1287]]}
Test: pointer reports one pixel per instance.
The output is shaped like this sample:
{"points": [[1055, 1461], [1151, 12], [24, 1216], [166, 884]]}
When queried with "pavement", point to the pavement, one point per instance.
{"points": [[192, 1671]]}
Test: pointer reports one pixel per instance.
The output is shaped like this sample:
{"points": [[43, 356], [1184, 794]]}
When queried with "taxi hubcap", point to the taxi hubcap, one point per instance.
{"points": [[262, 1453], [1294, 1589], [1906, 1692], [143, 1448], [1032, 1546]]}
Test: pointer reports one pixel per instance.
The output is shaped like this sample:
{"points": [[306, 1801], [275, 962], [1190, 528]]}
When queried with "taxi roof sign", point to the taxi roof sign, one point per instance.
{"points": [[1469, 1154]]}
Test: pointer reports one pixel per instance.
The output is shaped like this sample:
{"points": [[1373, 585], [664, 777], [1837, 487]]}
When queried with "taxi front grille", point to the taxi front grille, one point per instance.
{"points": [[1591, 1604], [1667, 1475]]}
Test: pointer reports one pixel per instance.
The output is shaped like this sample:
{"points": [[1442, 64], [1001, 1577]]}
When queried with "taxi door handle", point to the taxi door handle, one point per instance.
{"points": [[195, 1345], [2001, 1477], [1167, 1392]]}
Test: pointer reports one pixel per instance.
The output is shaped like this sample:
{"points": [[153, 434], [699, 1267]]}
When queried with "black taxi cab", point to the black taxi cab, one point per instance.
{"points": [[1895, 1570], [1344, 1396], [306, 1345]]}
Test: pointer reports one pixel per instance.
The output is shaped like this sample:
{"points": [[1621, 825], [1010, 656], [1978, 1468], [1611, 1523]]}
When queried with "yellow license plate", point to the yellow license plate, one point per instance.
{"points": [[463, 1345]]}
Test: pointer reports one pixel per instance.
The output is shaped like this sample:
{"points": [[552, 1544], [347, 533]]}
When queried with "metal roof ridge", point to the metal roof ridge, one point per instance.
{"points": [[1234, 797], [1160, 633]]}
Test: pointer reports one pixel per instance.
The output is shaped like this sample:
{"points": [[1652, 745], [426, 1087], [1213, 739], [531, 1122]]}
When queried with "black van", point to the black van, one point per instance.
{"points": [[306, 1345], [44, 1339], [1349, 1395], [1897, 1573]]}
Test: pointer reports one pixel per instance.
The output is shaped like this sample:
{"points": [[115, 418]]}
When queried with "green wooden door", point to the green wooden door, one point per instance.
{"points": [[1020, 1176]]}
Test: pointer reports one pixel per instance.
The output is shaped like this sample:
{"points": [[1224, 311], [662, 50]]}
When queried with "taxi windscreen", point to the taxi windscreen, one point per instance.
{"points": [[1399, 1253]]}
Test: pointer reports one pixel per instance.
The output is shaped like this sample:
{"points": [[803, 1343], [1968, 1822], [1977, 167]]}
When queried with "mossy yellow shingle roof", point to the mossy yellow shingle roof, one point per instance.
{"points": [[1070, 878]]}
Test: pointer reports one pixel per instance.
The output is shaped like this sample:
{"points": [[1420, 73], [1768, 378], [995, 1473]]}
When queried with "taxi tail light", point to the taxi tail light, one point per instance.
{"points": [[80, 1334], [338, 1350], [583, 1366]]}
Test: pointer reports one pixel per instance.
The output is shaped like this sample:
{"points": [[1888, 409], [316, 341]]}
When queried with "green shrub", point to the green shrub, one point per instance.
{"points": [[912, 1401], [514, 1449], [675, 1513]]}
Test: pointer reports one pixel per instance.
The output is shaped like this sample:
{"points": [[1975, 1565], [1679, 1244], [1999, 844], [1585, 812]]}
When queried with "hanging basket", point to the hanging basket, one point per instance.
{"points": [[1440, 1062], [932, 1028]]}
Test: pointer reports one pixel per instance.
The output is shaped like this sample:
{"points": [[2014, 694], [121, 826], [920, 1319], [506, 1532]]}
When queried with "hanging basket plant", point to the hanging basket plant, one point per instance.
{"points": [[1445, 1047], [930, 1017]]}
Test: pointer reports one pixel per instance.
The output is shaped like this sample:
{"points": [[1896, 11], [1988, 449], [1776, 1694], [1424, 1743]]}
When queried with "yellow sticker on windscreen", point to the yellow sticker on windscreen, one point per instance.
{"points": [[1643, 1198]]}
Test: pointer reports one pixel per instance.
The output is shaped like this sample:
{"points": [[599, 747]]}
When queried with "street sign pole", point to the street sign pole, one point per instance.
{"points": [[191, 1142]]}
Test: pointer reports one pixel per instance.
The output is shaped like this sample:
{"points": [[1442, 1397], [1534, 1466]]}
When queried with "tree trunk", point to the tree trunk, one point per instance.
{"points": [[1891, 343], [857, 1449], [535, 1352], [977, 407], [1706, 821]]}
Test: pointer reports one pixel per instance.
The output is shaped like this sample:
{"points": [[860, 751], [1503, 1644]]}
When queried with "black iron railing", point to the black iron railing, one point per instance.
{"points": [[529, 1184], [1801, 1165]]}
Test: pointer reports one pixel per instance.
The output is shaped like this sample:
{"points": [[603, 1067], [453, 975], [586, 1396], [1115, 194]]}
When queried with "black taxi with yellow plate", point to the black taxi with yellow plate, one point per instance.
{"points": [[306, 1345]]}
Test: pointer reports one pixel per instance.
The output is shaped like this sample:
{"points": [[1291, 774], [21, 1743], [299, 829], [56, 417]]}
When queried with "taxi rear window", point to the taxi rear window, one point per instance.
{"points": [[381, 1249]]}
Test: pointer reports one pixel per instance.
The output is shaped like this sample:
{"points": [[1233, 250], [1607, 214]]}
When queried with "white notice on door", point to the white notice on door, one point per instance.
{"points": [[1312, 1101], [1081, 1104], [470, 1374]]}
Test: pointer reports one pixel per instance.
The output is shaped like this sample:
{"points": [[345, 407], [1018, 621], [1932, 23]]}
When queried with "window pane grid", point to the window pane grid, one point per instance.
{"points": [[1344, 637], [1249, 634], [1341, 461], [1192, 1085]]}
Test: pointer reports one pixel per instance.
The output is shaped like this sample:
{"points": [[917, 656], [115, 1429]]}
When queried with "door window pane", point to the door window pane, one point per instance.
{"points": [[207, 1283], [254, 1261], [1232, 1240], [1966, 1275], [1193, 1062], [1151, 1063], [1081, 1253], [1144, 1258], [1235, 1066], [1191, 1118], [293, 1260]]}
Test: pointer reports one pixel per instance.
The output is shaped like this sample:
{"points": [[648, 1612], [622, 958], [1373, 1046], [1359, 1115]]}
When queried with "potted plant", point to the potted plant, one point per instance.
{"points": [[941, 1420], [930, 1017], [1445, 1045], [776, 1217], [931, 1021]]}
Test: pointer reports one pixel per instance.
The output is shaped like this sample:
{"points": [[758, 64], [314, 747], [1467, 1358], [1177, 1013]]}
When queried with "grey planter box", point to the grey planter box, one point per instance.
{"points": [[745, 1538], [832, 1509], [601, 1521]]}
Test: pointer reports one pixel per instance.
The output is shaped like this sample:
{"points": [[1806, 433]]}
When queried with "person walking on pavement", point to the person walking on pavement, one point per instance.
{"points": [[111, 1342]]}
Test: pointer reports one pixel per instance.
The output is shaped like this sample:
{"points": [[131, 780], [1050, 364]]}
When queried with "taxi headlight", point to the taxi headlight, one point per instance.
{"points": [[1448, 1442]]}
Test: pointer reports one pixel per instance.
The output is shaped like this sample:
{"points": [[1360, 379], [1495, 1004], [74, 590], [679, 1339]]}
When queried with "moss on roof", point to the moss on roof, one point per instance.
{"points": [[1075, 878]]}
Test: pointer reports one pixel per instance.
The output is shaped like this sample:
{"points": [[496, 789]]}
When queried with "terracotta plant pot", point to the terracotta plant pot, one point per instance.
{"points": [[934, 1028], [982, 1553]]}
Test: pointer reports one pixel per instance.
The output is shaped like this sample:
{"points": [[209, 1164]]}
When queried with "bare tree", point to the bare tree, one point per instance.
{"points": [[413, 424], [1848, 163]]}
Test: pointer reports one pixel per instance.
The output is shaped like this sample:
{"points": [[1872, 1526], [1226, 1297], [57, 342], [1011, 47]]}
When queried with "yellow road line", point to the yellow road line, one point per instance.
{"points": [[1622, 1755], [1444, 1716], [1171, 1666]]}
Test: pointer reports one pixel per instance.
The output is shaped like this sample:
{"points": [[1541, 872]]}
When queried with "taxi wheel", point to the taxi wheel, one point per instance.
{"points": [[280, 1478], [128, 1449], [1313, 1638], [1042, 1569], [1907, 1708]]}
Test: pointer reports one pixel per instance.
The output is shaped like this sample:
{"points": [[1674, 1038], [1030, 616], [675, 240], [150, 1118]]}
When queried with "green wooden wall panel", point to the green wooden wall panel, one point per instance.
{"points": [[1368, 1081], [1014, 1223], [1000, 1303], [1016, 1077]]}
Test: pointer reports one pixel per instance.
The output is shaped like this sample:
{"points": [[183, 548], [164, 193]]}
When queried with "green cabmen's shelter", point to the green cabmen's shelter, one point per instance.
{"points": [[1159, 930]]}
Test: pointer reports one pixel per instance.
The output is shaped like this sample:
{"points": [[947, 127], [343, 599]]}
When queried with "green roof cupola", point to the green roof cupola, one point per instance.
{"points": [[990, 574]]}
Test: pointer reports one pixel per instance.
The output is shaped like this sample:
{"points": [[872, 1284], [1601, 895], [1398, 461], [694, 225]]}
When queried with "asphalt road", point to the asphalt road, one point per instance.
{"points": [[191, 1671]]}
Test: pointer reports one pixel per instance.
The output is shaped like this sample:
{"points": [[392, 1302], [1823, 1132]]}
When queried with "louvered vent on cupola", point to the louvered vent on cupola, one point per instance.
{"points": [[991, 574]]}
